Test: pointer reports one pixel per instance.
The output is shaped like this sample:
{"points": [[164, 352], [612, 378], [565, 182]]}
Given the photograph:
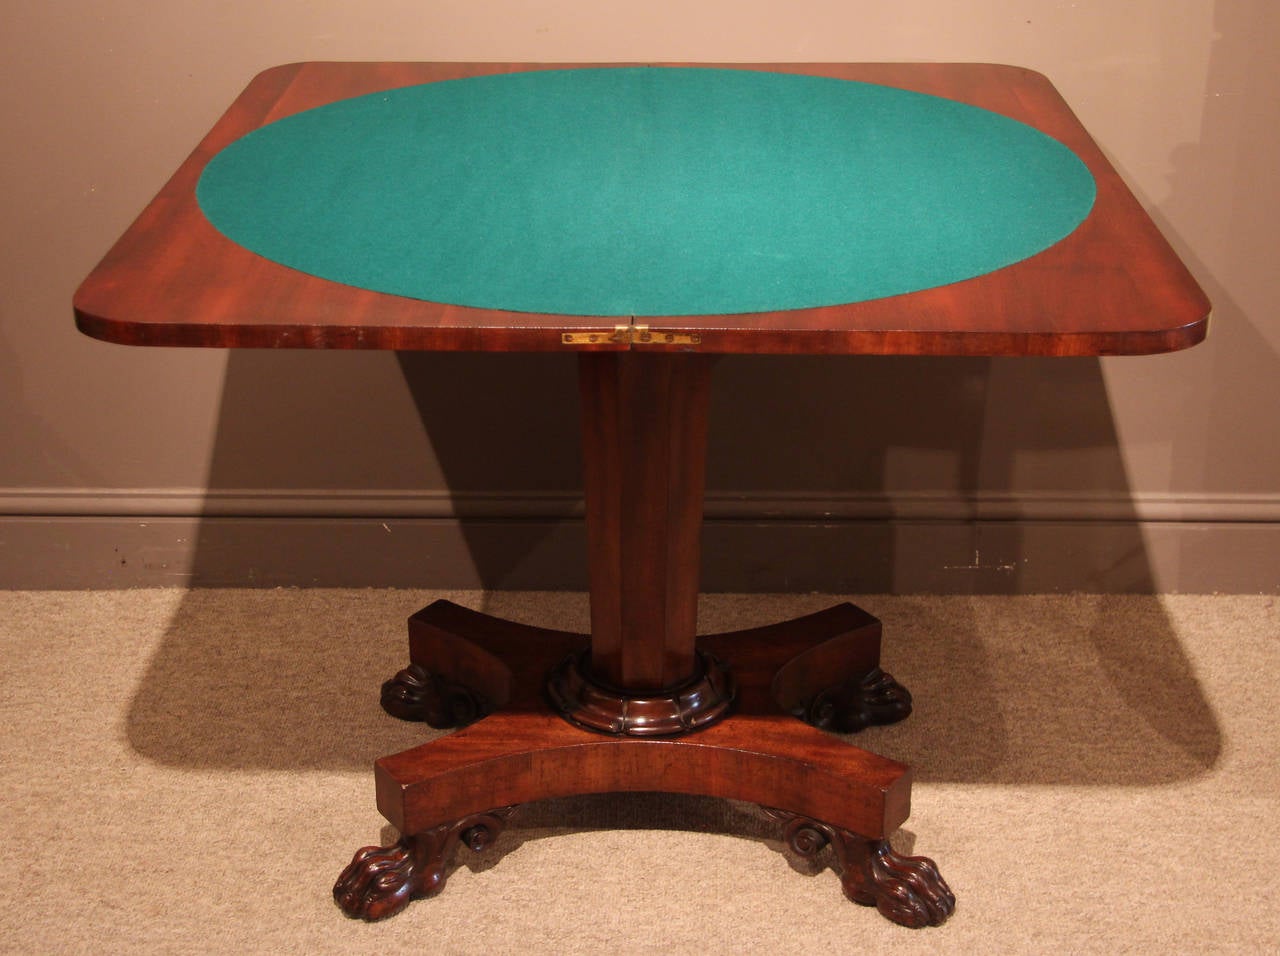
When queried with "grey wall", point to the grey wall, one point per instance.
{"points": [[127, 466]]}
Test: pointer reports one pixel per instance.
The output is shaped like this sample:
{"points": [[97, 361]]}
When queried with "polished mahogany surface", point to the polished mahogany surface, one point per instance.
{"points": [[1113, 286]]}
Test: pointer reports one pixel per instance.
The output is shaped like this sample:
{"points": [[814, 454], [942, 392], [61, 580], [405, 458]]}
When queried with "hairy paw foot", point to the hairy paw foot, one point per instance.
{"points": [[873, 699]]}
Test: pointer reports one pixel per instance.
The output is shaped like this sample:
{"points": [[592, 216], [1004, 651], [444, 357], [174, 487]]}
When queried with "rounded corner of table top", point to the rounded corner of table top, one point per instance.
{"points": [[1023, 74], [280, 71], [1195, 331], [91, 307], [96, 327]]}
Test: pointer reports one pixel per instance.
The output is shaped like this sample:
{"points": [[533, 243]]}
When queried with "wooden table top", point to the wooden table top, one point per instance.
{"points": [[1111, 286]]}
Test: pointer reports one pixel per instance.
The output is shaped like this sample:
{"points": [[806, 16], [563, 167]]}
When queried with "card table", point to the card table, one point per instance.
{"points": [[647, 218]]}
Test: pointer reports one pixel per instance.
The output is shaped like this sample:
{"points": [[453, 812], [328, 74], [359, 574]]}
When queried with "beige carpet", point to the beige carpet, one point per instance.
{"points": [[187, 772]]}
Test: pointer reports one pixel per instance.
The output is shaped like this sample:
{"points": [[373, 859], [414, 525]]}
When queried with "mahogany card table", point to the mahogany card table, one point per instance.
{"points": [[649, 219]]}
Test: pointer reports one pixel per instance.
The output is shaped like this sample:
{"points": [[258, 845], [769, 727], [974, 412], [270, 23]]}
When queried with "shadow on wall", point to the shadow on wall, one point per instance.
{"points": [[288, 680], [897, 475]]}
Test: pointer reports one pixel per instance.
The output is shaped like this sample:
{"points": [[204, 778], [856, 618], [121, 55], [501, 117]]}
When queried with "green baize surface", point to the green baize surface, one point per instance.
{"points": [[646, 191]]}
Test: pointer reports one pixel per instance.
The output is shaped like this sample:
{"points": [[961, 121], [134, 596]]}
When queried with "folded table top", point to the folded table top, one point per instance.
{"points": [[876, 209]]}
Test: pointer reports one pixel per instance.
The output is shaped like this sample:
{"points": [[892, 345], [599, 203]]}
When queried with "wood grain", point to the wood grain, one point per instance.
{"points": [[644, 459], [524, 751]]}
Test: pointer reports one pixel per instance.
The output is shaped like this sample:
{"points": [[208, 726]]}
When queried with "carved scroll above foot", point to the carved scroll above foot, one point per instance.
{"points": [[417, 694], [908, 890], [873, 699], [381, 881]]}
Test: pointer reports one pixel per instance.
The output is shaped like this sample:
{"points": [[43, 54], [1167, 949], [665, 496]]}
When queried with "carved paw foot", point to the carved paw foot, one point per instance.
{"points": [[908, 890], [873, 699], [417, 694], [381, 881]]}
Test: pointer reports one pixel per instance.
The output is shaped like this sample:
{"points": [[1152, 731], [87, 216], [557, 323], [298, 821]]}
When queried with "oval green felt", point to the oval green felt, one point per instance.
{"points": [[646, 191]]}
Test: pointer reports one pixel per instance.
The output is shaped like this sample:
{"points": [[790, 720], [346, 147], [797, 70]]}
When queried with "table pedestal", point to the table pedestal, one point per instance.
{"points": [[643, 704]]}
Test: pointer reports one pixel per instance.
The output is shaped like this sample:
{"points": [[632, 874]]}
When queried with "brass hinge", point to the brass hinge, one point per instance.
{"points": [[620, 334], [643, 335], [630, 335]]}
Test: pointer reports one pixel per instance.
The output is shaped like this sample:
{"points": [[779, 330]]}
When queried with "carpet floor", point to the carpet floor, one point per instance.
{"points": [[188, 771]]}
